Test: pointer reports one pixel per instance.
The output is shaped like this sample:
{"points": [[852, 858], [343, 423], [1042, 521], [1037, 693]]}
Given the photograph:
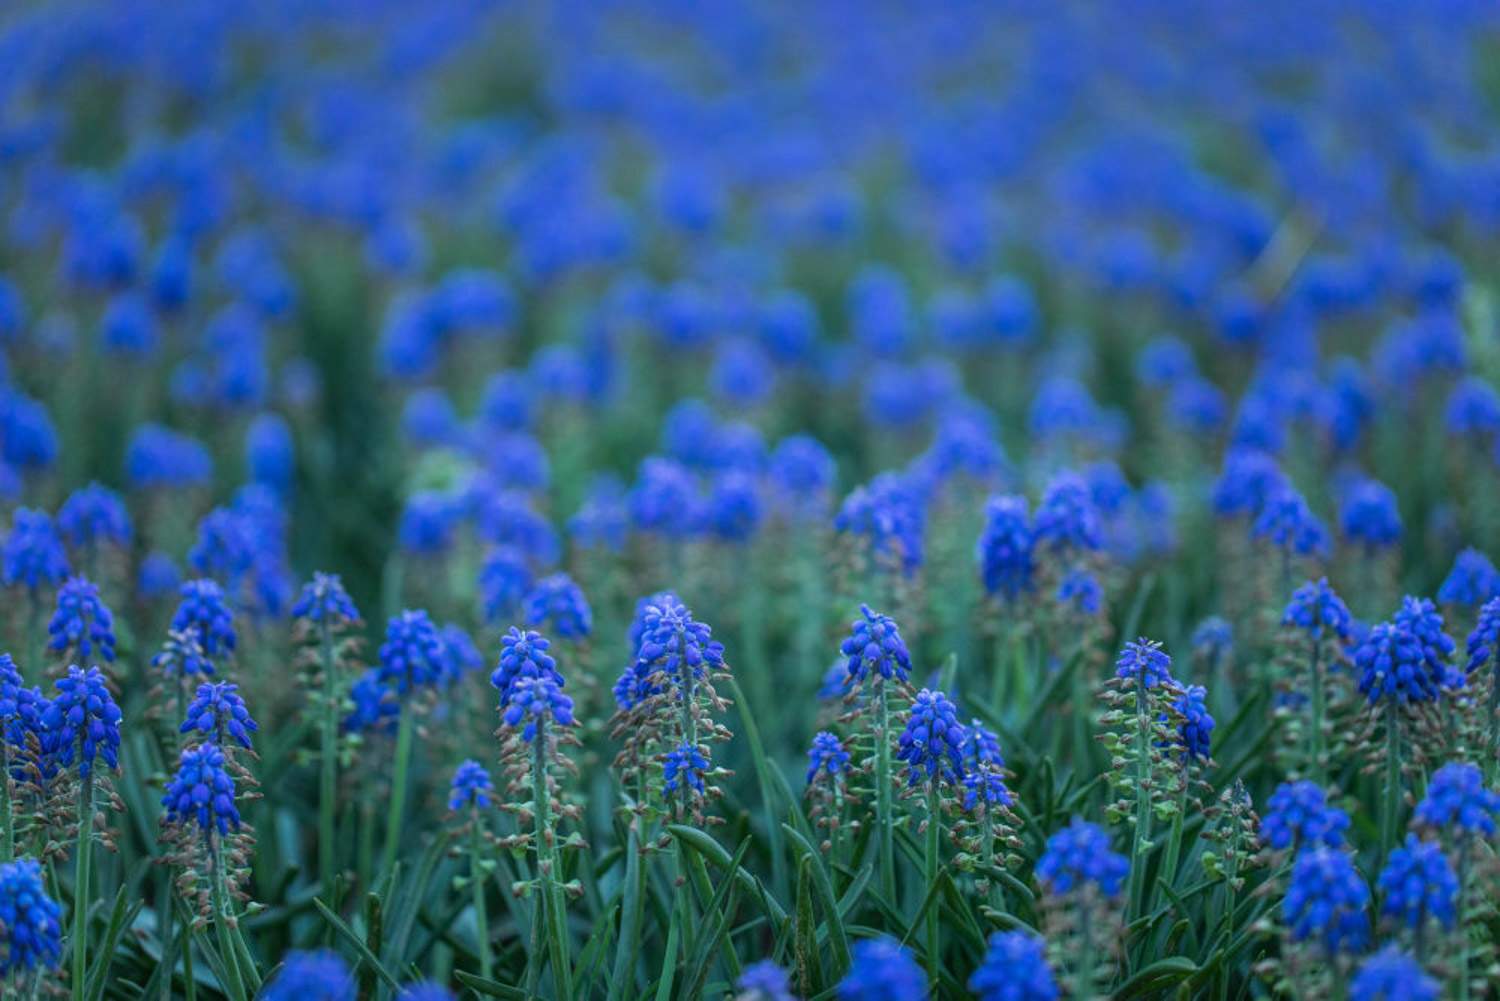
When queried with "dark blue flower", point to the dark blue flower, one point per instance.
{"points": [[82, 621], [28, 441], [1391, 975], [1485, 638], [1197, 726], [1250, 479], [1369, 515], [1458, 800], [270, 453], [1473, 581], [324, 600], [888, 515], [1066, 519], [412, 656], [881, 969], [684, 765], [1287, 523], [802, 474], [1420, 618], [159, 575], [310, 976], [504, 582], [1144, 661], [932, 742], [1080, 855], [981, 747], [1473, 408], [670, 638], [373, 704], [1419, 883], [1014, 968], [33, 553], [664, 500], [1390, 663], [1080, 590], [471, 787], [1298, 814], [85, 719], [827, 757], [764, 981], [559, 602], [734, 507], [876, 645], [535, 700], [1316, 608], [1004, 548], [159, 457], [603, 518], [92, 515], [428, 522], [985, 784], [1327, 901], [202, 791], [203, 609], [522, 655], [30, 919], [218, 711]]}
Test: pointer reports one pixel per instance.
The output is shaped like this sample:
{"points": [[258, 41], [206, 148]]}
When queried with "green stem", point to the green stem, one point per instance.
{"points": [[81, 882], [883, 808], [398, 785], [328, 793], [1141, 841], [1463, 909], [7, 819], [622, 978], [1491, 759], [551, 915], [1315, 730], [934, 863], [477, 883], [236, 986], [189, 981], [1392, 778], [1167, 877]]}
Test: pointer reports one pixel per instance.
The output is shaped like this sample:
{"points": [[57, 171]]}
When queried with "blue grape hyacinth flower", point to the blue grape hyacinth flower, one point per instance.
{"points": [[1316, 609], [82, 622], [1327, 901], [1457, 800], [204, 609], [85, 720], [684, 765], [1473, 581], [1197, 727], [1418, 883], [932, 742], [1004, 549], [881, 969], [1080, 855], [92, 515], [413, 656], [310, 976], [522, 655], [202, 791], [535, 700], [559, 602], [875, 647], [1014, 968], [827, 757], [1392, 975], [1298, 814], [471, 787], [764, 981], [218, 711], [30, 928], [33, 554], [324, 600], [1144, 661]]}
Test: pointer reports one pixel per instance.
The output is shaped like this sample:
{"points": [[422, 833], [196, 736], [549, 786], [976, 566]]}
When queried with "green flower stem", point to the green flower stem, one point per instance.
{"points": [[934, 869], [1315, 730], [551, 915], [328, 791], [632, 902], [227, 951], [883, 808], [82, 890], [1463, 913], [1141, 841], [1167, 877], [398, 784], [7, 819], [189, 982], [477, 884], [1493, 719], [1392, 777]]}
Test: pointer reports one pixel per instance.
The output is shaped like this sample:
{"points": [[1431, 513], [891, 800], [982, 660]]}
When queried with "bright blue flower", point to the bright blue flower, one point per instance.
{"points": [[1391, 663], [1196, 405], [1213, 640], [889, 515], [219, 711], [374, 705], [1298, 814], [33, 553], [203, 609], [788, 325], [1014, 968], [471, 787], [1473, 581], [932, 742], [981, 747], [29, 918], [1485, 638], [664, 500], [802, 475], [270, 453], [1066, 519], [504, 582], [413, 654], [1144, 661], [1418, 883], [507, 402], [1327, 901], [182, 655], [1063, 408], [558, 601], [159, 575], [1164, 361], [28, 441], [1391, 975], [310, 976], [734, 508], [226, 548], [130, 326], [986, 784], [1197, 727], [536, 699], [1080, 854], [522, 655], [1473, 408], [85, 719], [202, 791], [742, 373], [880, 311], [82, 621], [1287, 523], [92, 515], [881, 969], [685, 765], [764, 981], [428, 418], [876, 645], [1457, 799], [1316, 608], [1080, 589], [1004, 548], [1249, 480], [159, 457], [828, 757], [324, 600], [603, 518], [428, 522], [1420, 618], [1369, 515]]}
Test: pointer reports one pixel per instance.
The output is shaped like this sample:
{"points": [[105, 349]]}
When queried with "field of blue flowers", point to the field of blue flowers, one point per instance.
{"points": [[599, 500]]}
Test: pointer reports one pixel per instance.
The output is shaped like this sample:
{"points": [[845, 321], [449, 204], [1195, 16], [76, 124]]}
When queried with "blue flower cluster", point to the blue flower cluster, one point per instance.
{"points": [[30, 930], [880, 969], [1392, 975], [875, 647], [827, 757], [204, 610], [82, 622], [1014, 968], [324, 601], [413, 656], [1418, 884], [1079, 855], [1004, 549], [522, 655], [33, 554], [202, 791], [534, 701], [1317, 610], [85, 720], [218, 711], [1458, 801], [471, 787], [1145, 662], [933, 741], [558, 602], [1327, 901], [1298, 815]]}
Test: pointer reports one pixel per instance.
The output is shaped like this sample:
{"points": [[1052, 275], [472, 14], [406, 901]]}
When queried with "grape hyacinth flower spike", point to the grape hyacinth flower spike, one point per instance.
{"points": [[470, 797], [1082, 879], [30, 929]]}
